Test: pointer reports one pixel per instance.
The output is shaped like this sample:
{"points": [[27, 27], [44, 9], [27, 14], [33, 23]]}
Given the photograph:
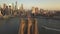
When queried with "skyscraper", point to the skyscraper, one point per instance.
{"points": [[33, 9], [16, 5], [21, 8], [10, 9], [36, 10], [13, 6], [4, 6]]}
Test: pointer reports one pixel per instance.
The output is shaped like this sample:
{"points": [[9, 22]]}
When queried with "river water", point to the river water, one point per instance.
{"points": [[45, 26]]}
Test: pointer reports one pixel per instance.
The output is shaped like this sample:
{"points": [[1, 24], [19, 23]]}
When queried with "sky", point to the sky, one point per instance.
{"points": [[44, 4]]}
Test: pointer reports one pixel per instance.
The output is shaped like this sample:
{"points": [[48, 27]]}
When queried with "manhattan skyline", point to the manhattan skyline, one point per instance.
{"points": [[45, 4]]}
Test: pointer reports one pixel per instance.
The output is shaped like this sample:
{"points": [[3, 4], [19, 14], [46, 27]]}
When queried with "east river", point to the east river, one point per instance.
{"points": [[45, 25]]}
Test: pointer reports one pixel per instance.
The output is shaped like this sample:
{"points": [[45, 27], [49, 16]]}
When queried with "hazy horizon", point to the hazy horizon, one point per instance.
{"points": [[45, 4]]}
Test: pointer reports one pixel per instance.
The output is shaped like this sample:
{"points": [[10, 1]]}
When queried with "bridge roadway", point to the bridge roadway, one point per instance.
{"points": [[45, 25]]}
